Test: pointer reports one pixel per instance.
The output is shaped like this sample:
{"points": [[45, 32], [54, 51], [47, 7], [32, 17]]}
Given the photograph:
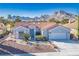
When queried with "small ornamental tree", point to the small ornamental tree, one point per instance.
{"points": [[26, 36]]}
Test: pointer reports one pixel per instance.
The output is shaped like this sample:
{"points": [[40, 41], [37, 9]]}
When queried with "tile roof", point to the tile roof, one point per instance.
{"points": [[41, 25], [73, 25]]}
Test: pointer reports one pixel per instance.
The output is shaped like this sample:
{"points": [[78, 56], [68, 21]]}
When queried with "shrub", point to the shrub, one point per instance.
{"points": [[4, 34], [25, 36], [40, 37], [64, 21]]}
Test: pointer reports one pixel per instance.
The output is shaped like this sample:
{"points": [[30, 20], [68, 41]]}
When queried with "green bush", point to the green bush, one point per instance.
{"points": [[64, 21], [40, 37], [54, 20]]}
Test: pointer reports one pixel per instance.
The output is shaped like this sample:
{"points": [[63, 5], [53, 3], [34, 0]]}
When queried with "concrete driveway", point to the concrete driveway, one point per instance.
{"points": [[67, 48]]}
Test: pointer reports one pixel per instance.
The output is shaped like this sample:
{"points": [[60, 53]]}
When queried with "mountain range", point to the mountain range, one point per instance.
{"points": [[58, 15]]}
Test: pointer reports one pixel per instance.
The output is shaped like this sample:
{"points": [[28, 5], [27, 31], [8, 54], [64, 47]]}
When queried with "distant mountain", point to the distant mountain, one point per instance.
{"points": [[22, 18], [41, 18], [58, 15]]}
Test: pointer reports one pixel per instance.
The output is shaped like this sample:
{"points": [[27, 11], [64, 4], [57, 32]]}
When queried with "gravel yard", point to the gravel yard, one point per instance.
{"points": [[68, 48]]}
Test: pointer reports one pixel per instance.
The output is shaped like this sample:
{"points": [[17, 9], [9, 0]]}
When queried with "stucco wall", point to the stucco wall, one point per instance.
{"points": [[20, 29]]}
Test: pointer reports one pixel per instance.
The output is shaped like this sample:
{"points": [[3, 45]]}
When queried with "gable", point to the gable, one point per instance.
{"points": [[59, 29], [21, 28]]}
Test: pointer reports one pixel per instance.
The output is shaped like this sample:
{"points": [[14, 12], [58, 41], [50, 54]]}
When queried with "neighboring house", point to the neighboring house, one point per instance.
{"points": [[74, 28], [73, 25], [49, 30]]}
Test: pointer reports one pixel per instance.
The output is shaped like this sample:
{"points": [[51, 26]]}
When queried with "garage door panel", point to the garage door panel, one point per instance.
{"points": [[57, 36]]}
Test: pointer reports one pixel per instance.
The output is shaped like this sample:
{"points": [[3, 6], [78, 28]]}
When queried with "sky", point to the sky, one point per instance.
{"points": [[36, 9]]}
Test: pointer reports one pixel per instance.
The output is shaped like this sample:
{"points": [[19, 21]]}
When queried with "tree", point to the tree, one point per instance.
{"points": [[11, 23], [64, 21], [26, 36], [54, 20], [1, 19], [17, 19], [9, 17], [57, 21]]}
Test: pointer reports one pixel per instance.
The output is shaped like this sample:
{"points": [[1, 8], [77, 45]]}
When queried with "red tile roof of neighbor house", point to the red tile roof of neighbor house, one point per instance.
{"points": [[73, 25], [41, 25]]}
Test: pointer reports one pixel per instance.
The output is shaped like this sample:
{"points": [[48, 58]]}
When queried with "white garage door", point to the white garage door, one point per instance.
{"points": [[57, 36]]}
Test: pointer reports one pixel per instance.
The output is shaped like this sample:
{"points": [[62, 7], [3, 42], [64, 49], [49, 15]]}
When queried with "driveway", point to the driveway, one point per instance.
{"points": [[66, 48]]}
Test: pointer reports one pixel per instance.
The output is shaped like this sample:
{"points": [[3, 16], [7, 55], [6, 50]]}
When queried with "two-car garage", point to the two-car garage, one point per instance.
{"points": [[58, 33], [58, 36]]}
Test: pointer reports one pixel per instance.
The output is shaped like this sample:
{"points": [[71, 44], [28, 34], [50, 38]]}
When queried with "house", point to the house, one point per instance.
{"points": [[24, 27], [48, 29]]}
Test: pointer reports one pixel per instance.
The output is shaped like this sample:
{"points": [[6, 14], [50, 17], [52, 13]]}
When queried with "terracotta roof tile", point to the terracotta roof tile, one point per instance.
{"points": [[41, 25]]}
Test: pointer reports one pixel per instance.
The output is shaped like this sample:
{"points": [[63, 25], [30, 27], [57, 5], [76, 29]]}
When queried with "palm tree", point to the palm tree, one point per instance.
{"points": [[17, 19], [9, 17], [1, 19]]}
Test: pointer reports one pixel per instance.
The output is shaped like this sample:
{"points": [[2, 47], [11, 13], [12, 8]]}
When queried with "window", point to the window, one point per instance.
{"points": [[38, 33], [20, 35]]}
